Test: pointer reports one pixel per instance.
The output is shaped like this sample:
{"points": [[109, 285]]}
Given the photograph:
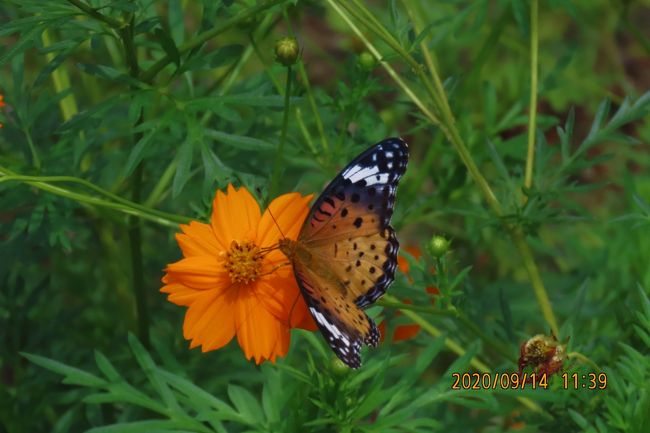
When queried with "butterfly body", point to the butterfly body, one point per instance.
{"points": [[345, 256]]}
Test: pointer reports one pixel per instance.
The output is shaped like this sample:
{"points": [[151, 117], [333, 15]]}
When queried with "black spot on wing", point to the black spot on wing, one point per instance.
{"points": [[388, 268]]}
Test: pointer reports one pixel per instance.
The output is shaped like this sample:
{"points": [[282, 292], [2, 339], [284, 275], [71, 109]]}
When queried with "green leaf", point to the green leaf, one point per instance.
{"points": [[239, 141], [106, 367], [246, 404], [25, 42], [45, 73], [168, 45], [214, 169], [73, 376], [151, 371], [150, 426], [136, 155], [199, 398], [459, 278], [111, 74], [186, 154], [579, 419], [201, 60]]}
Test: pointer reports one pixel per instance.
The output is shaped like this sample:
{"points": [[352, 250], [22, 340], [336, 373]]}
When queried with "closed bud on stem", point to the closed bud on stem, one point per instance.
{"points": [[366, 61], [438, 246], [287, 51]]}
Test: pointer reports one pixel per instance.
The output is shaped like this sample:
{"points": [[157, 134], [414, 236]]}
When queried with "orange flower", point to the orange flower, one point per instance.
{"points": [[406, 332], [230, 281]]}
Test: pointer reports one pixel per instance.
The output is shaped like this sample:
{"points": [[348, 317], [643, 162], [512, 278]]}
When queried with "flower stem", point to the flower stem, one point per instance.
{"points": [[61, 81], [32, 148], [90, 11], [535, 279], [277, 166], [532, 111], [585, 360], [314, 109], [118, 204], [135, 225]]}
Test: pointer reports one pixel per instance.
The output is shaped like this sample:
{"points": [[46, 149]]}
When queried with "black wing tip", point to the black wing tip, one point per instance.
{"points": [[372, 338]]}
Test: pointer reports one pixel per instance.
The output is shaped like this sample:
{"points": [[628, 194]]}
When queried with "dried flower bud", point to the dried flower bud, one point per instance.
{"points": [[287, 51], [544, 354]]}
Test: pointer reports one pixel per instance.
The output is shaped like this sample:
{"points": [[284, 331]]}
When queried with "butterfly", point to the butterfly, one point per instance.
{"points": [[345, 256]]}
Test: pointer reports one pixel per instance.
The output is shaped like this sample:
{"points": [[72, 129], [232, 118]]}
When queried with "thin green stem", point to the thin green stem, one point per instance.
{"points": [[36, 161], [314, 108], [391, 302], [135, 226], [164, 181], [305, 133], [173, 219], [585, 360], [532, 110], [267, 66], [61, 81], [535, 279], [200, 39], [279, 154], [90, 11], [125, 206]]}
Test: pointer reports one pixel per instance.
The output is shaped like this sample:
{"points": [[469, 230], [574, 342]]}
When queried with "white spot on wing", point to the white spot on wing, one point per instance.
{"points": [[332, 328], [383, 178], [358, 172]]}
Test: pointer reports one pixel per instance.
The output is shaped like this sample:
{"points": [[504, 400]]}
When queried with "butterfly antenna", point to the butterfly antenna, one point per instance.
{"points": [[276, 222], [295, 301]]}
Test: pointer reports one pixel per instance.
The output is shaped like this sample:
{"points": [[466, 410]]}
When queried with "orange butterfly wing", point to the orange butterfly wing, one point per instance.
{"points": [[346, 254]]}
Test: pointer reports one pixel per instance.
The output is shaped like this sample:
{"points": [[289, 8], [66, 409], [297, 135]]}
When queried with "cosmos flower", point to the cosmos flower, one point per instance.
{"points": [[233, 283]]}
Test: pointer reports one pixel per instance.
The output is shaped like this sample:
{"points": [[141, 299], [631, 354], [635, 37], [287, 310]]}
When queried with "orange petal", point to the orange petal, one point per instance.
{"points": [[210, 320], [382, 330], [278, 296], [301, 317], [180, 294], [402, 263], [198, 239], [289, 211], [405, 332], [199, 272], [235, 216], [276, 264], [260, 334], [432, 290]]}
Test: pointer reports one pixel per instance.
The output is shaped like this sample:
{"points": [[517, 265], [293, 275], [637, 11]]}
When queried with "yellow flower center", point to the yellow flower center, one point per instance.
{"points": [[243, 262]]}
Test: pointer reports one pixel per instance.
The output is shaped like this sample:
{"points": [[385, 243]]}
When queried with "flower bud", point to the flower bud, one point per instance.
{"points": [[338, 367], [366, 61], [438, 246], [287, 51]]}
